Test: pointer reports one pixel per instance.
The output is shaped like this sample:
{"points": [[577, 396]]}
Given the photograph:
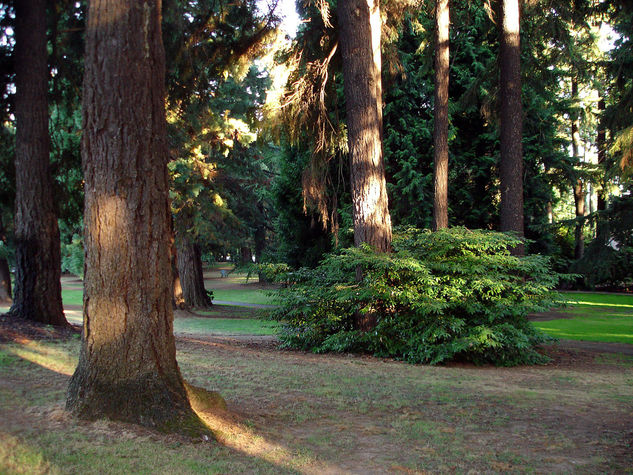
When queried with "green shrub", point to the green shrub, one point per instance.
{"points": [[73, 256], [448, 295]]}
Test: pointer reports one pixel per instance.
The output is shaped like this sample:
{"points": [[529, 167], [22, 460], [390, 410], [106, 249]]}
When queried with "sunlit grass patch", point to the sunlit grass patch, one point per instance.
{"points": [[600, 299], [604, 328], [247, 295], [56, 357], [223, 326]]}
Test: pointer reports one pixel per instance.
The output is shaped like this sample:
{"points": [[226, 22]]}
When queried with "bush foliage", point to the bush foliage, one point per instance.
{"points": [[448, 295]]}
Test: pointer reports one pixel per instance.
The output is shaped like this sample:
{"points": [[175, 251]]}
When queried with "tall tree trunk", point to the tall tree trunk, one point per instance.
{"points": [[359, 30], [440, 132], [178, 299], [511, 121], [191, 276], [5, 272], [578, 187], [127, 365], [246, 256], [602, 152], [38, 293]]}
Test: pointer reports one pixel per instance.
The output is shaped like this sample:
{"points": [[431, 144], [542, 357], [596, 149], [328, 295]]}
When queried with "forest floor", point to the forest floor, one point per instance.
{"points": [[296, 412]]}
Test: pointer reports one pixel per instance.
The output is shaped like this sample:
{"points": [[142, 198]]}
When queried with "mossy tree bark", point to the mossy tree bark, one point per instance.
{"points": [[440, 131], [191, 276], [127, 365], [38, 293], [511, 121], [360, 29]]}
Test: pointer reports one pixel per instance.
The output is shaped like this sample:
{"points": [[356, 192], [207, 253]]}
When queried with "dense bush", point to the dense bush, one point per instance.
{"points": [[446, 295], [72, 254], [608, 259]]}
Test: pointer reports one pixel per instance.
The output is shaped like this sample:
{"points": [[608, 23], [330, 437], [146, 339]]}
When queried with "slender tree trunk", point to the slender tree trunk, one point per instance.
{"points": [[5, 272], [38, 293], [191, 276], [178, 299], [511, 121], [360, 29], [440, 132], [246, 256], [578, 187], [601, 144], [127, 365]]}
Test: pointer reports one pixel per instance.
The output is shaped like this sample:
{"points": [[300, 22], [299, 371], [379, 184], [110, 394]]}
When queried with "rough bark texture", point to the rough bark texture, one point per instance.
{"points": [[511, 121], [440, 132], [191, 277], [359, 30], [38, 293], [127, 365]]}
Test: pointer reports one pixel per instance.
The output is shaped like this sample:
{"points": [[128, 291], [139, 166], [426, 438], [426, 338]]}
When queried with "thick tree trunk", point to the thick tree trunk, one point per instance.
{"points": [[359, 30], [127, 365], [511, 121], [38, 293], [191, 276], [440, 132], [578, 186]]}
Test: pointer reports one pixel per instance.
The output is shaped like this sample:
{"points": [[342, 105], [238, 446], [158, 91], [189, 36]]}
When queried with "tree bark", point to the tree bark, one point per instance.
{"points": [[246, 256], [602, 153], [38, 293], [511, 121], [5, 272], [360, 29], [578, 187], [127, 365], [440, 132], [191, 276], [178, 299]]}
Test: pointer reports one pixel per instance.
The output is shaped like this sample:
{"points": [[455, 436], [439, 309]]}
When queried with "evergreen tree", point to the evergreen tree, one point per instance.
{"points": [[359, 32], [440, 131], [511, 121], [127, 366], [37, 281]]}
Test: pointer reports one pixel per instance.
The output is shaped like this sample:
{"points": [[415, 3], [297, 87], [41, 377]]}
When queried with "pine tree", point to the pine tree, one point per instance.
{"points": [[511, 120], [359, 36], [37, 294], [127, 366]]}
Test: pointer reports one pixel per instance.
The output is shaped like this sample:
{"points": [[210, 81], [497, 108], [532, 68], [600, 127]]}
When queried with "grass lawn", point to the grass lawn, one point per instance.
{"points": [[594, 317], [223, 326], [292, 412], [247, 295]]}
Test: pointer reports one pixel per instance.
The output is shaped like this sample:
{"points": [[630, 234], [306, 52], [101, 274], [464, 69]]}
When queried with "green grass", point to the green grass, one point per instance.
{"points": [[244, 296], [606, 327], [603, 300], [72, 297], [594, 317], [223, 326]]}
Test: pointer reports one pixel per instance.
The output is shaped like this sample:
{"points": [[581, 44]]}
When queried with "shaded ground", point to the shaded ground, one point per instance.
{"points": [[294, 412]]}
